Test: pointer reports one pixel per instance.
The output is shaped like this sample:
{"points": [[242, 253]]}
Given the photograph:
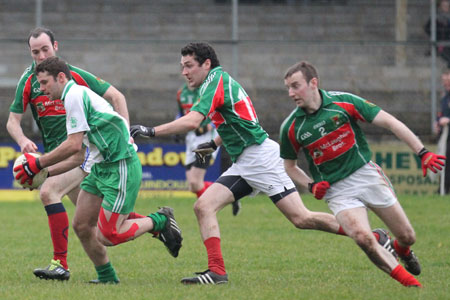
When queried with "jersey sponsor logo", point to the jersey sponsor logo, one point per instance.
{"points": [[332, 145], [46, 107], [36, 90]]}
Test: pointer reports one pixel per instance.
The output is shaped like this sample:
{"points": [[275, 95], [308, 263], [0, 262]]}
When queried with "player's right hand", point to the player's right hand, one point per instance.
{"points": [[204, 150], [28, 169], [141, 130], [319, 189], [431, 161]]}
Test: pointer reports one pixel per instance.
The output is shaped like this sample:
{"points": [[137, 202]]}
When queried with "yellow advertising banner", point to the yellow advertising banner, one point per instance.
{"points": [[404, 169]]}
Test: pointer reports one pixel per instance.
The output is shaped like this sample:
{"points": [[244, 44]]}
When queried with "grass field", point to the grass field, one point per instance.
{"points": [[265, 256]]}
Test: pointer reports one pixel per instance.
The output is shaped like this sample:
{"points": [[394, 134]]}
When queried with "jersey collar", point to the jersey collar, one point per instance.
{"points": [[68, 85], [326, 100]]}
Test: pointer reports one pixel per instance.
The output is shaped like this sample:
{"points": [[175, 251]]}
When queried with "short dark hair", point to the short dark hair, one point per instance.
{"points": [[53, 65], [201, 52], [40, 30], [308, 71]]}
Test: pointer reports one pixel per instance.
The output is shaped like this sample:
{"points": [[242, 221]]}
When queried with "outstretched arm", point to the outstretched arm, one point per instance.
{"points": [[386, 120], [429, 159]]}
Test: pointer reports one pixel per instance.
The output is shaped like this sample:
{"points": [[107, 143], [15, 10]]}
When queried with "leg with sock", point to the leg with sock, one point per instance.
{"points": [[106, 274], [205, 186], [402, 276], [59, 224], [408, 257]]}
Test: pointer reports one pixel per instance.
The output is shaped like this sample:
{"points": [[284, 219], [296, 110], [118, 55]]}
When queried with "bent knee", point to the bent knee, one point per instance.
{"points": [[407, 237], [365, 240]]}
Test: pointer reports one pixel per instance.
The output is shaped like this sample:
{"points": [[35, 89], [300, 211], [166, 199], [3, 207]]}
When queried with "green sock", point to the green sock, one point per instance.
{"points": [[159, 221], [106, 273]]}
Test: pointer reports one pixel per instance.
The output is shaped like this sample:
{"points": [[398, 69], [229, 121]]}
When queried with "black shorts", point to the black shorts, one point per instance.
{"points": [[240, 188]]}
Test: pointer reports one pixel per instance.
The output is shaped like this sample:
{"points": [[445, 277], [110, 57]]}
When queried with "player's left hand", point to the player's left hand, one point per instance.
{"points": [[204, 150], [319, 189], [28, 169], [141, 130], [431, 161]]}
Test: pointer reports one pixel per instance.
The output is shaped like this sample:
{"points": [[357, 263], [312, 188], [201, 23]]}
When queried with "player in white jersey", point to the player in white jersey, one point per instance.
{"points": [[104, 214]]}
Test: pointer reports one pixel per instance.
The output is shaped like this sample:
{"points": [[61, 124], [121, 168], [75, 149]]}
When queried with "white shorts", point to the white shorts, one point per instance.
{"points": [[366, 187], [262, 168], [192, 141], [91, 157]]}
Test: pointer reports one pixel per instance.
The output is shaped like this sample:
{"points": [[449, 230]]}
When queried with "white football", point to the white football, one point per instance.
{"points": [[38, 179]]}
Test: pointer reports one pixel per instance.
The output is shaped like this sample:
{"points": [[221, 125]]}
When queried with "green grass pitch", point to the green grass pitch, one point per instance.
{"points": [[265, 256]]}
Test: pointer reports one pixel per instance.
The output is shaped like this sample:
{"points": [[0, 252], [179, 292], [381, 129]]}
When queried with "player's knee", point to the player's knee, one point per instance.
{"points": [[407, 237], [47, 195], [202, 207], [365, 240], [195, 186], [82, 230]]}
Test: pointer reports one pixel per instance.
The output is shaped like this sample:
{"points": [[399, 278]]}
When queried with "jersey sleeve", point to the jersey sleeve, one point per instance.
{"points": [[84, 78], [289, 147], [23, 94], [75, 115], [358, 108]]}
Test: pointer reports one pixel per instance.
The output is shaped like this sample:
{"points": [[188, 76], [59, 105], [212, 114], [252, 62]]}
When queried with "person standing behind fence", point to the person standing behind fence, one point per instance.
{"points": [[443, 120], [442, 29]]}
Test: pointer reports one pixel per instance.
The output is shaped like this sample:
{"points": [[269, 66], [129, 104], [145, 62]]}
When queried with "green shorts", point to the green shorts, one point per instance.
{"points": [[117, 183]]}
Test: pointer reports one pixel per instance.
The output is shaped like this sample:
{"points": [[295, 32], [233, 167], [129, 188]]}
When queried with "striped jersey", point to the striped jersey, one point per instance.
{"points": [[50, 115], [333, 142], [226, 103], [105, 130], [185, 99]]}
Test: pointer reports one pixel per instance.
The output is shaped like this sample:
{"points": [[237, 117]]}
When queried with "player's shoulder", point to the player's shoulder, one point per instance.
{"points": [[286, 124], [27, 73], [338, 96]]}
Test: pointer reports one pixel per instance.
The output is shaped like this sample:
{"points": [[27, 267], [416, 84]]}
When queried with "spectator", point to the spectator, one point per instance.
{"points": [[442, 29], [444, 120]]}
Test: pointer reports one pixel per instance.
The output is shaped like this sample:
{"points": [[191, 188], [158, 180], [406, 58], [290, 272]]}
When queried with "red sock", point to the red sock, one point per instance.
{"points": [[59, 231], [215, 259], [341, 231], [135, 215], [205, 186], [402, 276], [402, 251]]}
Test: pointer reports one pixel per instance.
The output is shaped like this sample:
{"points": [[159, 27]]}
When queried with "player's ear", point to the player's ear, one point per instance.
{"points": [[207, 63], [61, 77], [314, 82], [55, 46]]}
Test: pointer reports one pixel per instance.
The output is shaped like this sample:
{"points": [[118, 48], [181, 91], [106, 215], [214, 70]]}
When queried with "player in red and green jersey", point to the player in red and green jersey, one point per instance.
{"points": [[257, 166], [324, 125], [195, 166], [50, 117]]}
